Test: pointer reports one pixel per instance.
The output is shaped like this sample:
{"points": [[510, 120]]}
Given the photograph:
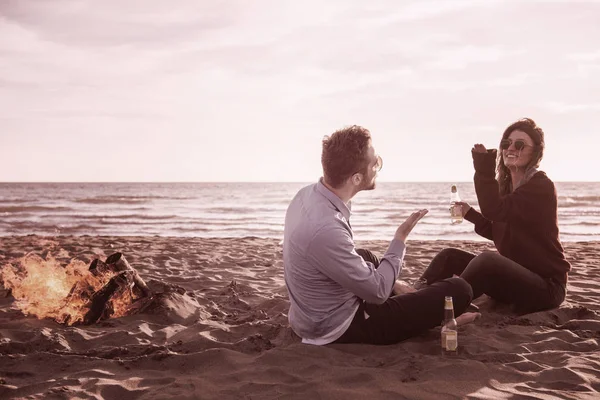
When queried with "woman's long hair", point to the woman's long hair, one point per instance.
{"points": [[536, 133]]}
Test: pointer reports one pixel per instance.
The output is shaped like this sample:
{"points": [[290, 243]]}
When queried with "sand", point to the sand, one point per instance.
{"points": [[229, 337]]}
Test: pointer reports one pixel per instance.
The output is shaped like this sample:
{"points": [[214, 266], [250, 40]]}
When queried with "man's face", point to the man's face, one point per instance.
{"points": [[375, 163]]}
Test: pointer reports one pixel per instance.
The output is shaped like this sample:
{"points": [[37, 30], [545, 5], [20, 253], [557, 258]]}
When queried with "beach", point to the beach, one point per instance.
{"points": [[228, 335]]}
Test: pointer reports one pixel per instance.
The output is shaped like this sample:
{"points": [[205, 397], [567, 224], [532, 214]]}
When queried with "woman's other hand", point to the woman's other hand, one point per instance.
{"points": [[464, 207]]}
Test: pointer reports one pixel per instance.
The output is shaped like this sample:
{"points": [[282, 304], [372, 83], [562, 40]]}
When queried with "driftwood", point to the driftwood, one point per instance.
{"points": [[98, 268], [100, 306], [122, 278], [117, 262]]}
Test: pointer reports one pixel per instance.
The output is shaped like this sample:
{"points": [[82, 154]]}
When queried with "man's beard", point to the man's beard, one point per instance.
{"points": [[370, 185]]}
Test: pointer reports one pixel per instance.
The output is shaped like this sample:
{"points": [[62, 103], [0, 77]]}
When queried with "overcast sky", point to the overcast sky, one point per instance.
{"points": [[207, 90]]}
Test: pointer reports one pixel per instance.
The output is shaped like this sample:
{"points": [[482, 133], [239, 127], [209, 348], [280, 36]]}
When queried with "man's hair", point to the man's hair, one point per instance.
{"points": [[344, 154]]}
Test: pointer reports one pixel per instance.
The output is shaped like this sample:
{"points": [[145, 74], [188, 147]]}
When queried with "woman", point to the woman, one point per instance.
{"points": [[519, 213]]}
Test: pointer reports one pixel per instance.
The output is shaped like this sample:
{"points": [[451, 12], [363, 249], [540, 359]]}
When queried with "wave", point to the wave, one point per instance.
{"points": [[15, 201], [404, 207], [20, 209], [48, 224], [29, 228], [589, 235], [570, 199], [577, 213], [576, 204], [237, 209], [579, 223], [123, 200], [121, 217]]}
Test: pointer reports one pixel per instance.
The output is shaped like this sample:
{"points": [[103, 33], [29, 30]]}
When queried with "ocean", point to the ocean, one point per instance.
{"points": [[253, 209]]}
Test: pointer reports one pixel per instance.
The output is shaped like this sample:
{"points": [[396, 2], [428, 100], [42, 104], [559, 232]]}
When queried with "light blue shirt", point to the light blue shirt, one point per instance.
{"points": [[325, 277]]}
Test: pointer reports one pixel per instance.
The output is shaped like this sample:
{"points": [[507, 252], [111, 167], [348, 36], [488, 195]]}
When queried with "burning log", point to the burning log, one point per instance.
{"points": [[98, 268], [117, 262], [101, 306], [119, 293]]}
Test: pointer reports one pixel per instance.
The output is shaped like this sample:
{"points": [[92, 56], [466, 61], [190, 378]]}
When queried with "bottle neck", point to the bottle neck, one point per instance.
{"points": [[448, 314]]}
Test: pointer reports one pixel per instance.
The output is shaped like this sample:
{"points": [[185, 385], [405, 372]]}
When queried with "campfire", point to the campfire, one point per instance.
{"points": [[77, 293]]}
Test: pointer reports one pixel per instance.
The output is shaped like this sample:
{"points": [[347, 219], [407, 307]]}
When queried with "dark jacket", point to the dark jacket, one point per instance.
{"points": [[522, 224]]}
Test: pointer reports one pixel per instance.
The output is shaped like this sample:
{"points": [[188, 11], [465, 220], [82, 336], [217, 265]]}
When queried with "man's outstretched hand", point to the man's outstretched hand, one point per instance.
{"points": [[407, 226], [402, 287]]}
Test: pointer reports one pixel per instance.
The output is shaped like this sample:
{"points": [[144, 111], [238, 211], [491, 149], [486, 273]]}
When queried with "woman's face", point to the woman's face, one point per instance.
{"points": [[517, 149]]}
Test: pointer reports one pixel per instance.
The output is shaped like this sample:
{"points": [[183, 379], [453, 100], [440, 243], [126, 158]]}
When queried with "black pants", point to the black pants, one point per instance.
{"points": [[498, 277], [405, 315]]}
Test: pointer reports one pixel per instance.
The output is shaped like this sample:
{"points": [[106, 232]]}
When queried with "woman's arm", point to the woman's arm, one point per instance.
{"points": [[483, 226], [530, 203]]}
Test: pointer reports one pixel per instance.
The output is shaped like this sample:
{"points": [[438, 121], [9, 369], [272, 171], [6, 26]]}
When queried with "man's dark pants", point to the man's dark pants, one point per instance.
{"points": [[406, 315]]}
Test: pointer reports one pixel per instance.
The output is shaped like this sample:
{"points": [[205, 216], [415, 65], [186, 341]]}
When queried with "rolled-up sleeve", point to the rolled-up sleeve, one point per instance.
{"points": [[333, 252]]}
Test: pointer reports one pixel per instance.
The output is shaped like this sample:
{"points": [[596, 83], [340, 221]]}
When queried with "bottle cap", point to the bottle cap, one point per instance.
{"points": [[454, 189], [448, 303]]}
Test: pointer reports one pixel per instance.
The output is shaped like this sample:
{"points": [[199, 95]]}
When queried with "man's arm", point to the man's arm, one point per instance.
{"points": [[333, 252]]}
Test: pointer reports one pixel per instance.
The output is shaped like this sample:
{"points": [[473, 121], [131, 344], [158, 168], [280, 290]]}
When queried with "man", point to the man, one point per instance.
{"points": [[342, 294]]}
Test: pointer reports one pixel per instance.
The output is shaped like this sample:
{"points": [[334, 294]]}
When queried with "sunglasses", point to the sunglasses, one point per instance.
{"points": [[377, 167], [519, 144], [379, 164]]}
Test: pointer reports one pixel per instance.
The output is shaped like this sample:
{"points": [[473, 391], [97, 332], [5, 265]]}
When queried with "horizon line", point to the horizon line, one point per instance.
{"points": [[218, 182]]}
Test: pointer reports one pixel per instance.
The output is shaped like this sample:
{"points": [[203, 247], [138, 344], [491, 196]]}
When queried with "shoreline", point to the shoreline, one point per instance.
{"points": [[278, 239]]}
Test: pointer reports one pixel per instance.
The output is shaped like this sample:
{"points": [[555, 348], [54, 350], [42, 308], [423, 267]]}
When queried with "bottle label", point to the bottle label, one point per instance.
{"points": [[456, 214], [450, 340]]}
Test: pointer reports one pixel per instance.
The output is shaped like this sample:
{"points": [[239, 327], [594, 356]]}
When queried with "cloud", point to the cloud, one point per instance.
{"points": [[565, 108], [462, 57], [118, 23], [585, 56], [29, 58], [379, 13], [515, 80]]}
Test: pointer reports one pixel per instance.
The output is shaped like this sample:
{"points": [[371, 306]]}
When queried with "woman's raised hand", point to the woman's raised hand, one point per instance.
{"points": [[479, 148]]}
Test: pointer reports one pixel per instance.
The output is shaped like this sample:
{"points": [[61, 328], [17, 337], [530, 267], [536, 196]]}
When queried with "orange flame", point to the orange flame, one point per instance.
{"points": [[45, 289]]}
